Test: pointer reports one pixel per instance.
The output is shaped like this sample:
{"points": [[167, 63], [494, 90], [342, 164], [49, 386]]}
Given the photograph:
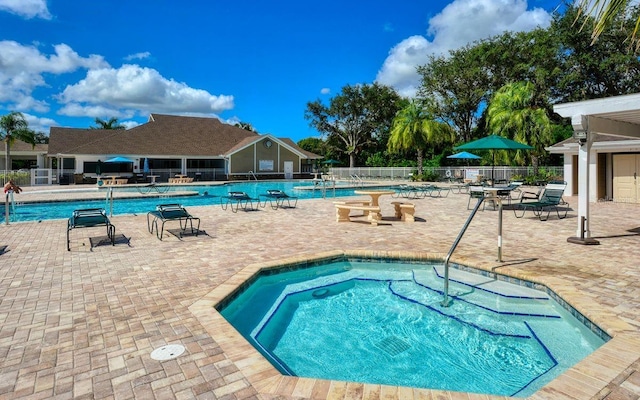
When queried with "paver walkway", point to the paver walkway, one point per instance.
{"points": [[82, 324]]}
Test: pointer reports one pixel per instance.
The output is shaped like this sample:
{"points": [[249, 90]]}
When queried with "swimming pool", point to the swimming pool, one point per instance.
{"points": [[206, 195], [382, 322]]}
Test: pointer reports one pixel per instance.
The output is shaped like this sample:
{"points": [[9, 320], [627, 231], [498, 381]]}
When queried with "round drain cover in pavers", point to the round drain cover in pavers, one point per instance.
{"points": [[167, 352]]}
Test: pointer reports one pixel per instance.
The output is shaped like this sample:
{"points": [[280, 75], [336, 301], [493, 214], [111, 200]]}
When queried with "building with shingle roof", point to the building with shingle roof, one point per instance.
{"points": [[167, 144], [25, 155]]}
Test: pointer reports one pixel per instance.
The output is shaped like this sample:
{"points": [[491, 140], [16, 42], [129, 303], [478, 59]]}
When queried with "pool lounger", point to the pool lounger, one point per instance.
{"points": [[89, 218], [171, 212], [238, 200], [276, 199]]}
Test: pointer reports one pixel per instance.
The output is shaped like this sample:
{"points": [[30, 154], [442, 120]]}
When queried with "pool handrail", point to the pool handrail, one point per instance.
{"points": [[446, 301]]}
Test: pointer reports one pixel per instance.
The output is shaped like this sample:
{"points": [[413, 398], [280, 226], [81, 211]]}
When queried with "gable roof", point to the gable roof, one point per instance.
{"points": [[283, 141], [161, 135]]}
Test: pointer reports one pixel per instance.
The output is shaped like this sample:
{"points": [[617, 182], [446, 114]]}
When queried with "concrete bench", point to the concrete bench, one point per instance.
{"points": [[180, 180], [404, 211], [113, 182], [356, 202], [343, 211]]}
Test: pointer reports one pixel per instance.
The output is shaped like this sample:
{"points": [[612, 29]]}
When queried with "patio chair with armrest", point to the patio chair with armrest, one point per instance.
{"points": [[276, 199], [171, 212], [550, 200], [528, 195], [507, 192], [475, 192], [237, 200], [89, 218]]}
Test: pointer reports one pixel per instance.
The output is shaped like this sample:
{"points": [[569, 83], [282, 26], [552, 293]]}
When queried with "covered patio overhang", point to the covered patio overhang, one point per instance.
{"points": [[614, 116]]}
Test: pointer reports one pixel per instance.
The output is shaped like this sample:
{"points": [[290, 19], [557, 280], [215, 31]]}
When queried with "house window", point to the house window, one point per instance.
{"points": [[266, 165]]}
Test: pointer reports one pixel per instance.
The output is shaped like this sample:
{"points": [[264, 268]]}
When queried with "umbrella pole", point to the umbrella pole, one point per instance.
{"points": [[493, 168]]}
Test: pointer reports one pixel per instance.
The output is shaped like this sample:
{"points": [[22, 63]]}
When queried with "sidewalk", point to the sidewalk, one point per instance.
{"points": [[82, 324]]}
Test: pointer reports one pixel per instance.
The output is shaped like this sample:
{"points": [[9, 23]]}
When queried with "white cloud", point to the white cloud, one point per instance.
{"points": [[129, 124], [459, 23], [325, 91], [22, 70], [26, 8], [138, 56], [132, 87], [94, 111], [39, 124]]}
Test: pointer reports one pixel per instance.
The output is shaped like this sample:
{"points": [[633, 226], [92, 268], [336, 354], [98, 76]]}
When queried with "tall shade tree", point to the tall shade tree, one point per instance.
{"points": [[459, 84], [606, 14], [515, 112], [111, 123], [14, 127], [414, 128], [605, 68], [356, 117]]}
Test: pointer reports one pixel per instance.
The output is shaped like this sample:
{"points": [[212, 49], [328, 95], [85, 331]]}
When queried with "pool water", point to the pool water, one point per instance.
{"points": [[383, 323], [207, 195]]}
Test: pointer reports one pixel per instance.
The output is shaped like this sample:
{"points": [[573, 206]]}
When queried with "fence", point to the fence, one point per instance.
{"points": [[35, 177], [443, 173]]}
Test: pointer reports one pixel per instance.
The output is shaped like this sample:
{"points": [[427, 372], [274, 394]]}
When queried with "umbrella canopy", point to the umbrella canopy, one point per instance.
{"points": [[145, 168], [118, 160], [463, 155], [493, 142], [331, 161]]}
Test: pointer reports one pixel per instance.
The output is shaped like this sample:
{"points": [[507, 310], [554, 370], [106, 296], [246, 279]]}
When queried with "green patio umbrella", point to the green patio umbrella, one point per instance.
{"points": [[494, 142], [331, 162]]}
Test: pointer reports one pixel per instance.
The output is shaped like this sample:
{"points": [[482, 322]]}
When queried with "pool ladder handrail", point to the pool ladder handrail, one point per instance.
{"points": [[446, 301], [9, 206]]}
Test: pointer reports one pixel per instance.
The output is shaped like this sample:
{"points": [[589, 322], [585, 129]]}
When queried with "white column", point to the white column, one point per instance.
{"points": [[584, 154], [581, 123]]}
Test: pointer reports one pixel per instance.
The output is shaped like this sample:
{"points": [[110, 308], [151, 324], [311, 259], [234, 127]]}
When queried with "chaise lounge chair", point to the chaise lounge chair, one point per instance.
{"points": [[88, 218], [431, 190], [550, 200], [276, 198], [171, 212], [238, 200], [407, 191]]}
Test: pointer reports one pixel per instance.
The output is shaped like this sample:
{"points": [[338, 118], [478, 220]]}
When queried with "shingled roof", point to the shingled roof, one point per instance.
{"points": [[161, 135], [20, 146]]}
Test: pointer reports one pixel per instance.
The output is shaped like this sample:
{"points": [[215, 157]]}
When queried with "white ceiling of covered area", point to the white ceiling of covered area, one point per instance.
{"points": [[618, 115]]}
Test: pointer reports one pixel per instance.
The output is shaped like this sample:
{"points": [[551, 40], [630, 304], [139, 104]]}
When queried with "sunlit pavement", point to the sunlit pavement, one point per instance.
{"points": [[83, 323]]}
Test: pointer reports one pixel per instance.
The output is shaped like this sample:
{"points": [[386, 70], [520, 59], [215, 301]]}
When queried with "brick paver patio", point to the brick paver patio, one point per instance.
{"points": [[81, 324]]}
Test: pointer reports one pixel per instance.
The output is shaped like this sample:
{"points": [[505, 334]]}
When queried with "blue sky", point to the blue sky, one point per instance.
{"points": [[67, 62]]}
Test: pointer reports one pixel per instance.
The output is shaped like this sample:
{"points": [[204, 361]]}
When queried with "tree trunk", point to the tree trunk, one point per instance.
{"points": [[420, 163], [535, 163], [352, 160], [7, 153]]}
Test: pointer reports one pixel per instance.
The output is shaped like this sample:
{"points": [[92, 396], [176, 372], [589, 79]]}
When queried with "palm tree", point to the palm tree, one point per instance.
{"points": [[516, 113], [13, 126], [112, 123], [605, 12], [414, 128]]}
